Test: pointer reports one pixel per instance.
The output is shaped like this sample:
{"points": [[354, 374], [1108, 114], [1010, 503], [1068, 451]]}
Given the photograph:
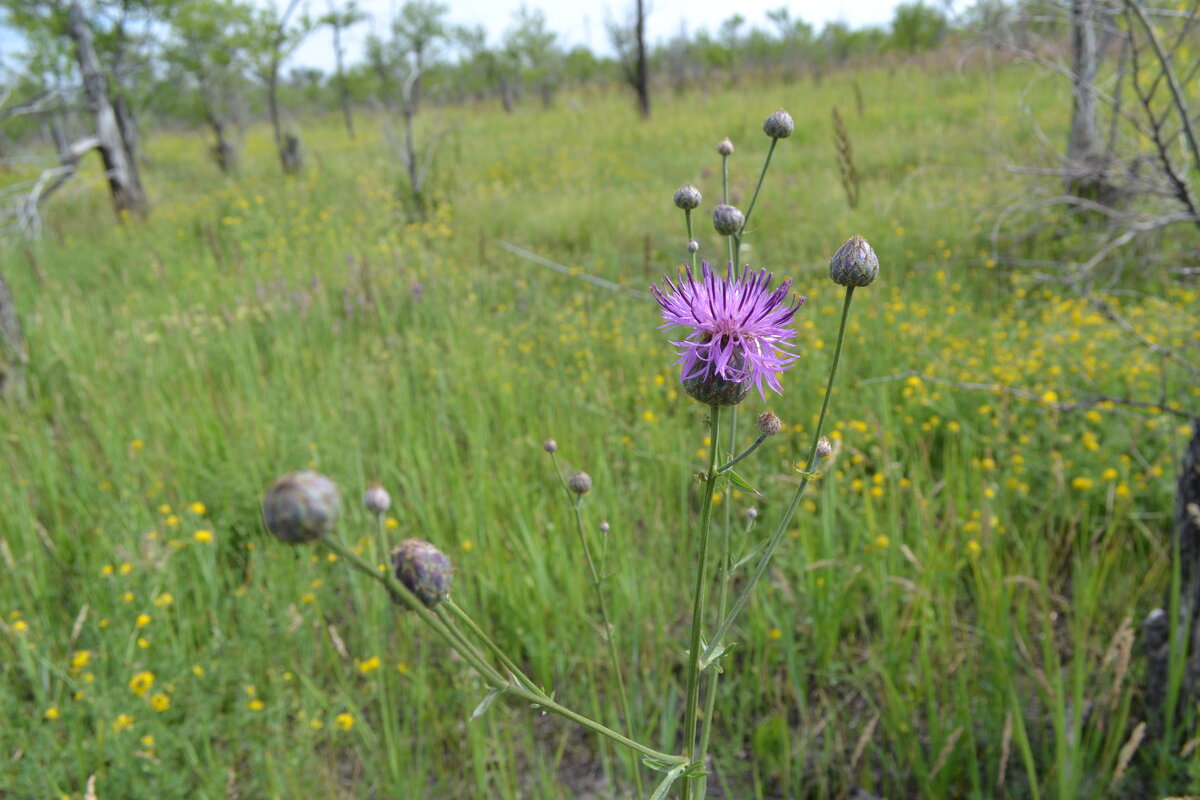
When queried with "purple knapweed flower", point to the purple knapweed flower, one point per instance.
{"points": [[739, 328]]}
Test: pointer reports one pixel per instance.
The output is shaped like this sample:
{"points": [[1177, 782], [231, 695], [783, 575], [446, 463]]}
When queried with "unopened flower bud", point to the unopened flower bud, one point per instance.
{"points": [[687, 197], [604, 527], [769, 424], [301, 507], [376, 499], [580, 483], [854, 264], [779, 125], [752, 512], [725, 147], [423, 570], [728, 220], [824, 448], [550, 446], [693, 246]]}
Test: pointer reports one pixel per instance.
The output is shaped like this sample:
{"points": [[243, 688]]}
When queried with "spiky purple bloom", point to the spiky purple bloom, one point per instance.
{"points": [[739, 326]]}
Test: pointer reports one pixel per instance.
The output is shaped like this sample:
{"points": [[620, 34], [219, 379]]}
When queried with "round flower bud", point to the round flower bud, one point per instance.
{"points": [[854, 264], [424, 570], [728, 220], [769, 424], [301, 507], [687, 197], [604, 528], [550, 446], [693, 246], [376, 499], [725, 147], [580, 483], [752, 512], [779, 125], [824, 448], [714, 390]]}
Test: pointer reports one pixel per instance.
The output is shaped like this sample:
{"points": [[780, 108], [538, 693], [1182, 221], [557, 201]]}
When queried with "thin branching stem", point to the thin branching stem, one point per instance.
{"points": [[693, 655], [811, 467]]}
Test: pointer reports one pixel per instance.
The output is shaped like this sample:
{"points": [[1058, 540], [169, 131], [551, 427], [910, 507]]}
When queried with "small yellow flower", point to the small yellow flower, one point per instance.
{"points": [[19, 626], [160, 702], [147, 741], [163, 600], [198, 509], [204, 537], [51, 713], [308, 597], [391, 523], [316, 724], [143, 643], [172, 521], [1050, 396], [775, 634], [369, 666], [882, 542], [402, 668], [1109, 475], [126, 568], [123, 722], [142, 620], [1081, 483], [141, 683], [127, 597], [107, 570], [80, 659], [164, 509], [137, 445], [198, 671], [973, 549], [256, 705], [467, 546], [343, 721]]}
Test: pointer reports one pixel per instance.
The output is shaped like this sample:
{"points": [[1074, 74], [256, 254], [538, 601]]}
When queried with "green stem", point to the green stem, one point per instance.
{"points": [[608, 636], [687, 215], [710, 698], [693, 665], [728, 465], [811, 467], [488, 672], [725, 197], [737, 238], [491, 646]]}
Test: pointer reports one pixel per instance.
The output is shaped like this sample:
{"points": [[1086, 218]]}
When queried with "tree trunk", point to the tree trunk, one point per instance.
{"points": [[13, 356], [343, 88], [123, 180], [642, 82], [1085, 146], [129, 129]]}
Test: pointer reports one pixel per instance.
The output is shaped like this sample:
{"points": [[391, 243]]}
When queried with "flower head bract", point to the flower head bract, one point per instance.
{"points": [[739, 325]]}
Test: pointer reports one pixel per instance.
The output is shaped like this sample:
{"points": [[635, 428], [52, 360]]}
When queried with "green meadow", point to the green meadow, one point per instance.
{"points": [[955, 612]]}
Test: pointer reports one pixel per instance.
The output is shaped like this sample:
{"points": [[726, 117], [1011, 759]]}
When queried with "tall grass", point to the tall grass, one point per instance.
{"points": [[939, 625]]}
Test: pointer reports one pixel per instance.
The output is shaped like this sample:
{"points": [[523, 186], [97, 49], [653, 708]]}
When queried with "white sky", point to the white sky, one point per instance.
{"points": [[582, 21]]}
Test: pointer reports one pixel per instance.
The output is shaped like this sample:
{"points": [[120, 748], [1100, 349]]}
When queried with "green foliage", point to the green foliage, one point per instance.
{"points": [[916, 26]]}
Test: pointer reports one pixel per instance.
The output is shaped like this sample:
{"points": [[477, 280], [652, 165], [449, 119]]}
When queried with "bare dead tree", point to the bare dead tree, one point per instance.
{"points": [[417, 164], [629, 40], [124, 182], [338, 20]]}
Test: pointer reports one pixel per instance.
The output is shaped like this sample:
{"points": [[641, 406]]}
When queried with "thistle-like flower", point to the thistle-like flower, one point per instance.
{"points": [[779, 125], [739, 331], [728, 220], [854, 264], [423, 569], [688, 197], [301, 507]]}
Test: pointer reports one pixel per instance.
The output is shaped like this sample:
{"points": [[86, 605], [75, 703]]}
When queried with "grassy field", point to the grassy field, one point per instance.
{"points": [[954, 615]]}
